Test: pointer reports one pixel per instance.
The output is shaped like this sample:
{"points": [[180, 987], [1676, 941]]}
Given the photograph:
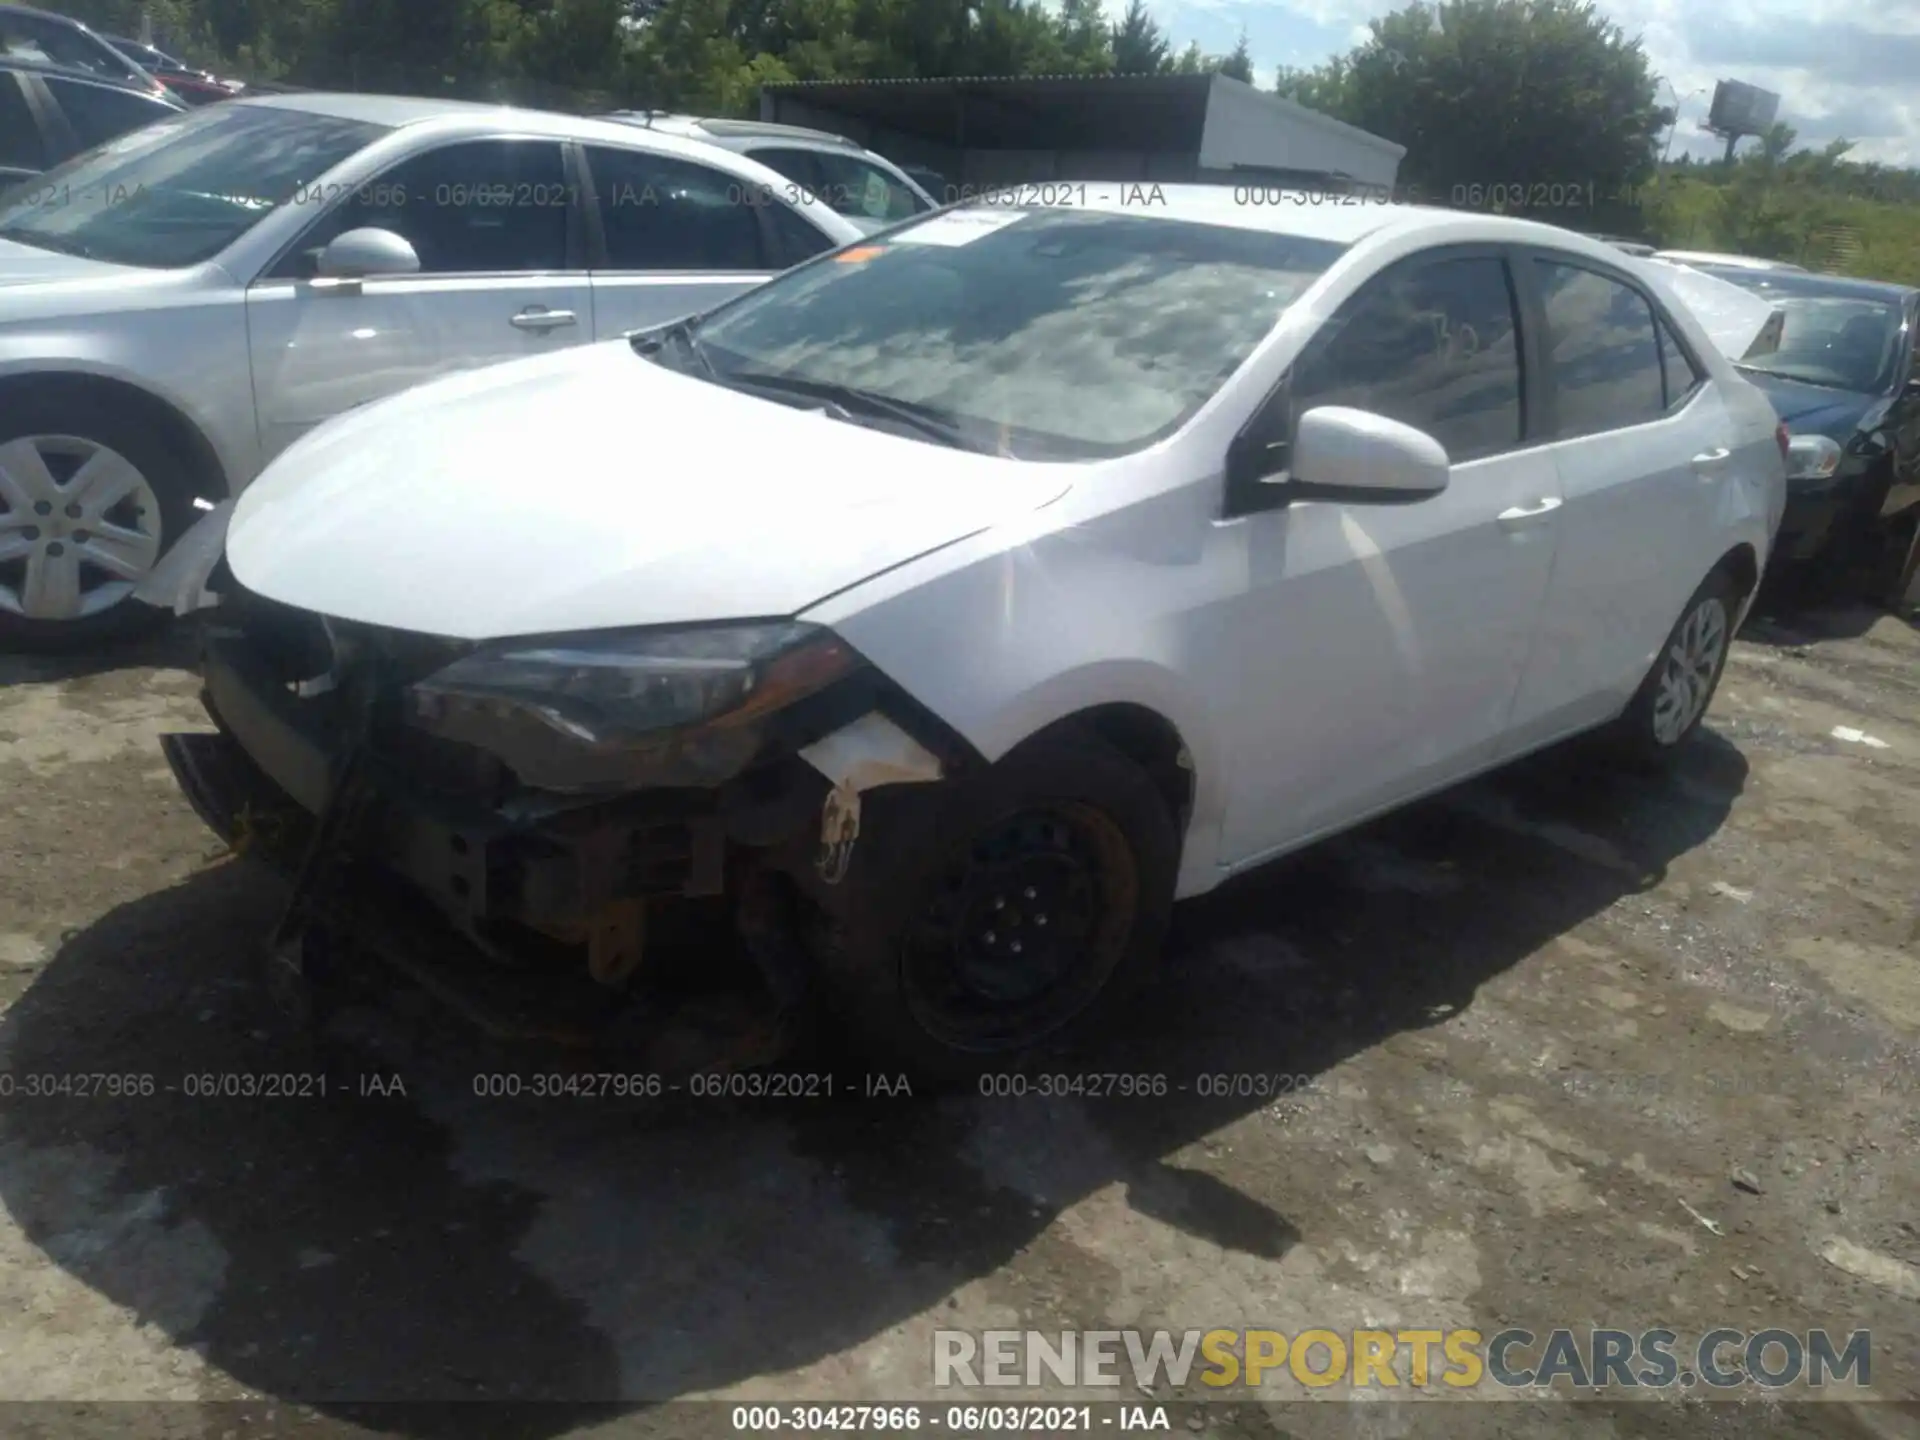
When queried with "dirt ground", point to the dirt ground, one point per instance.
{"points": [[1575, 1049]]}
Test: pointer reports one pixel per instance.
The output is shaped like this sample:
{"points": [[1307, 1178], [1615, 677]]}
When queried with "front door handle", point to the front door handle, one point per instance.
{"points": [[538, 317], [1709, 463], [1521, 516]]}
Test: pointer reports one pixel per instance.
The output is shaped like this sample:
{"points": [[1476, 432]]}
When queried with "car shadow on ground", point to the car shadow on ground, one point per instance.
{"points": [[367, 1248]]}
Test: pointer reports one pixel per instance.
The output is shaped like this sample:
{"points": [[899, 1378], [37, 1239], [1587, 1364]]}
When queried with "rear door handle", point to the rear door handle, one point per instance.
{"points": [[1521, 516], [1709, 463], [538, 317]]}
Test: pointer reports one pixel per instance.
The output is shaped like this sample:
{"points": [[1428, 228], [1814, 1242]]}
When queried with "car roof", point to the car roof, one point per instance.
{"points": [[1804, 282], [79, 76], [1731, 261], [722, 130], [399, 111]]}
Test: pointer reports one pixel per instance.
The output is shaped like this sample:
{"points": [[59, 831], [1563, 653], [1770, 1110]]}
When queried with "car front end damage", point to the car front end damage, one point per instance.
{"points": [[508, 823]]}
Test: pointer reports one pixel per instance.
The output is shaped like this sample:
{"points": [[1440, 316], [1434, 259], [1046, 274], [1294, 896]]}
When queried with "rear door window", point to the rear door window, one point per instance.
{"points": [[21, 149], [1602, 351], [662, 214], [1682, 376]]}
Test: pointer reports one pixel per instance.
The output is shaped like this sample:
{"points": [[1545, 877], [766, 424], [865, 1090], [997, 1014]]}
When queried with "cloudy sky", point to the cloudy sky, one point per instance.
{"points": [[1840, 67]]}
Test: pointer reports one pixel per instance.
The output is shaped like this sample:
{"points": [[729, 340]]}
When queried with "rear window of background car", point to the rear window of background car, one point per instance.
{"points": [[99, 113], [20, 145]]}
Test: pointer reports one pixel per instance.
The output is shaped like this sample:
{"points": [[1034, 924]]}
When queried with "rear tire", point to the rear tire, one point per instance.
{"points": [[1674, 698], [1014, 911], [61, 550], [1900, 576]]}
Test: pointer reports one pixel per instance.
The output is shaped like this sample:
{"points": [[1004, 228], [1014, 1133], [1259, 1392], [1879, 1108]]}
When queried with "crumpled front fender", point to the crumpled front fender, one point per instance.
{"points": [[179, 582]]}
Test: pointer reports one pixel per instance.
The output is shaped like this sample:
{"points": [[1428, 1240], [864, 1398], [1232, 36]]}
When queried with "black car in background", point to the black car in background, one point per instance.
{"points": [[54, 42], [48, 115], [1846, 368]]}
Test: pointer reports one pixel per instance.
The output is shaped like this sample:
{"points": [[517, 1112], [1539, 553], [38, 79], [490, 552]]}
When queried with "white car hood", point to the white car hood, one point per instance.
{"points": [[592, 489], [30, 265]]}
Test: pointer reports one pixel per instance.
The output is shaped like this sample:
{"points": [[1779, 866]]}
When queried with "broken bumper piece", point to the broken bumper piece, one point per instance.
{"points": [[527, 912]]}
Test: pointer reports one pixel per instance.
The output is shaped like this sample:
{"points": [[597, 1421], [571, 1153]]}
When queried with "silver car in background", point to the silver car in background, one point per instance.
{"points": [[179, 305], [821, 168]]}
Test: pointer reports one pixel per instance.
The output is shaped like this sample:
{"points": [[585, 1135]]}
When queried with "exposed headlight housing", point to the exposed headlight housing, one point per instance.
{"points": [[1812, 457], [621, 709]]}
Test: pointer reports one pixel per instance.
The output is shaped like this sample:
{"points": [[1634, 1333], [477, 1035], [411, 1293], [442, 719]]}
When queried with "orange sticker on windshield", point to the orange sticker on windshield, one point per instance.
{"points": [[859, 253]]}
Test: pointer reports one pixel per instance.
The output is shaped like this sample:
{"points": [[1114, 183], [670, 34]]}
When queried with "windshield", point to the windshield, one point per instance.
{"points": [[1036, 333], [1844, 342], [182, 190]]}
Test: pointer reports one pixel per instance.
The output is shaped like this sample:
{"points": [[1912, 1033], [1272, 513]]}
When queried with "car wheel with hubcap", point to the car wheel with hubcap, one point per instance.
{"points": [[88, 504], [1673, 699], [1030, 901]]}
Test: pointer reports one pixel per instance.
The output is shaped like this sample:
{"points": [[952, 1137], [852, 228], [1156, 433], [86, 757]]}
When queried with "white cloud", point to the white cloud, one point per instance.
{"points": [[1840, 68]]}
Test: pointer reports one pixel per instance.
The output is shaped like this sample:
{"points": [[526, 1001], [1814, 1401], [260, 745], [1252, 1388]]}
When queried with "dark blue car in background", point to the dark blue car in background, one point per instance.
{"points": [[1846, 368]]}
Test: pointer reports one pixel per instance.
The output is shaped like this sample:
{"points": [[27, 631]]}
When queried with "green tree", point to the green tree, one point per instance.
{"points": [[1086, 40], [1140, 47], [1239, 64], [1544, 104], [1323, 89]]}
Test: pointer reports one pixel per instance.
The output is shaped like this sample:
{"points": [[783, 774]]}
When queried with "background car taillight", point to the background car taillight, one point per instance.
{"points": [[1785, 439]]}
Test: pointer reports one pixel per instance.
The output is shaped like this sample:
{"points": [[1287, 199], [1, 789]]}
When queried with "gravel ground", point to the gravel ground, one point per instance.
{"points": [[1571, 1048]]}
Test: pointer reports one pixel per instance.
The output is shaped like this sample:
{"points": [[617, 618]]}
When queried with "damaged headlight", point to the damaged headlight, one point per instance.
{"points": [[1812, 457], [628, 708]]}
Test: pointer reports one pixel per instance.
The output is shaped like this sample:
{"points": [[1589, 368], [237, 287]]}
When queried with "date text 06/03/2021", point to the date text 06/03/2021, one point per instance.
{"points": [[1050, 1419]]}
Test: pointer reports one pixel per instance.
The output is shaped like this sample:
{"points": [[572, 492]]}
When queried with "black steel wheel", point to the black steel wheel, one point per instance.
{"points": [[1002, 912], [1022, 929]]}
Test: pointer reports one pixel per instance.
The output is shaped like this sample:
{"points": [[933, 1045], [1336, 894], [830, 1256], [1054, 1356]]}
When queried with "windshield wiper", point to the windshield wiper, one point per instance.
{"points": [[850, 402], [680, 330]]}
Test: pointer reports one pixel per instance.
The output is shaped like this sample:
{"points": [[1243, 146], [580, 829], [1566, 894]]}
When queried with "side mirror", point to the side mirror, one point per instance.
{"points": [[363, 254], [1347, 455]]}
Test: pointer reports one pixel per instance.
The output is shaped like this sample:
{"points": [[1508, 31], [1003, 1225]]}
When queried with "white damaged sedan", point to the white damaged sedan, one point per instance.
{"points": [[953, 604]]}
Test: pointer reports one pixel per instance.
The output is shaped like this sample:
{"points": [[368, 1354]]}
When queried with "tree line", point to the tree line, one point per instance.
{"points": [[1535, 107]]}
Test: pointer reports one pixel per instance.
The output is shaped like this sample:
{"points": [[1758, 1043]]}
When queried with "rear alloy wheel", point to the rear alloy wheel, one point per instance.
{"points": [[1008, 912], [88, 504], [1691, 670], [1673, 699]]}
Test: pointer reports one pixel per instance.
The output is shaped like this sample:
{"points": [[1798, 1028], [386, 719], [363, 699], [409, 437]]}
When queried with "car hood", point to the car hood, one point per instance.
{"points": [[592, 489], [29, 265], [1815, 409]]}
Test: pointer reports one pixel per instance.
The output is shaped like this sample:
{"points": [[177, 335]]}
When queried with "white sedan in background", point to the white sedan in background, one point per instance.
{"points": [[981, 588], [178, 306]]}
